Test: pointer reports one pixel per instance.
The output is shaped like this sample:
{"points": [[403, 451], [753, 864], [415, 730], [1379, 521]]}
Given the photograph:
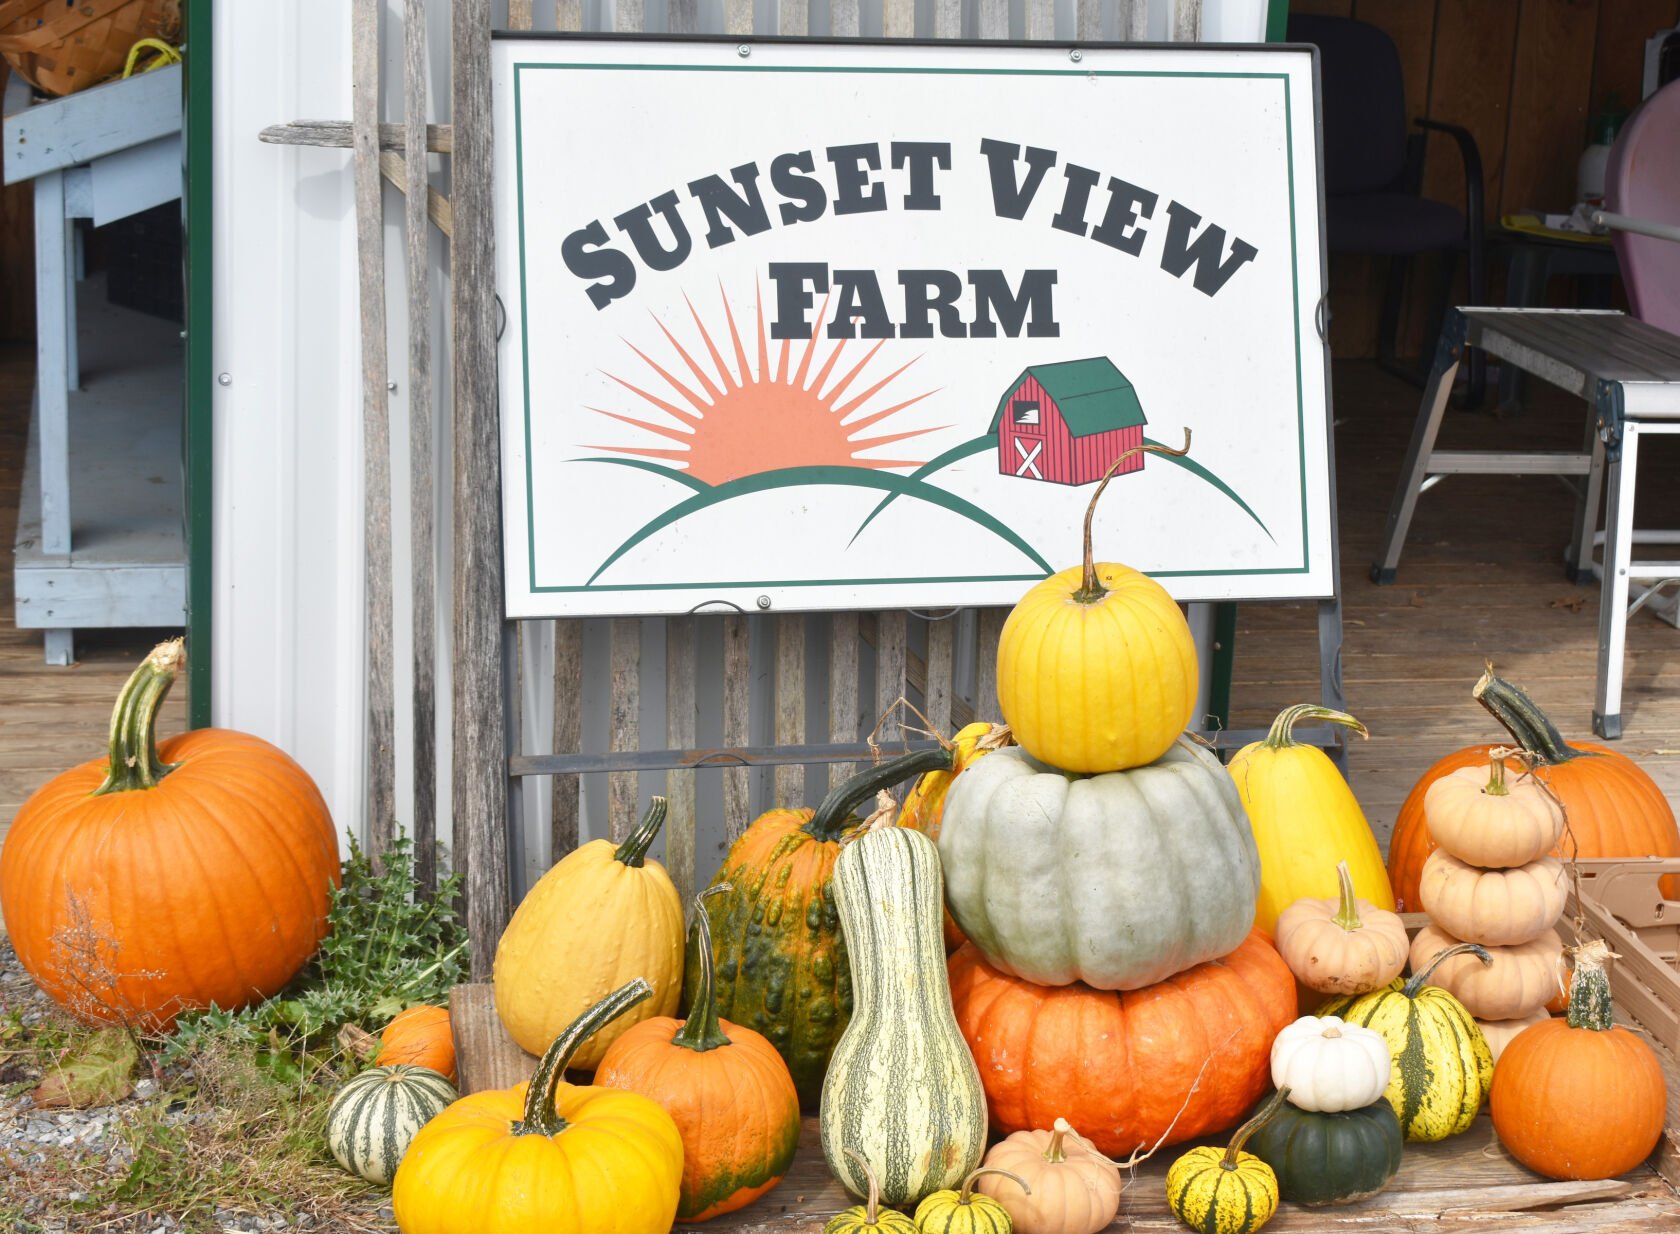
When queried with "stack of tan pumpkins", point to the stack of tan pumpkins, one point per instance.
{"points": [[1491, 880]]}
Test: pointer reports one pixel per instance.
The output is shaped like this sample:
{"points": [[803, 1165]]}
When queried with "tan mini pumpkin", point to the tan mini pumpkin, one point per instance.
{"points": [[1497, 908], [1075, 1189], [1518, 982], [1500, 1033], [1487, 816], [1343, 945]]}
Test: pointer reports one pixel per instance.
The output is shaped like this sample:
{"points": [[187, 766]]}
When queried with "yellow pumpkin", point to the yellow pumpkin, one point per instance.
{"points": [[546, 1155], [1096, 665], [965, 1211], [1343, 945], [599, 917], [1305, 819], [1226, 1191], [869, 1217]]}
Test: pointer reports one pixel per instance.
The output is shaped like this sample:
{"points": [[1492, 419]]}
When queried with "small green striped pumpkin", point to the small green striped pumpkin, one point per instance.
{"points": [[374, 1116], [1443, 1069]]}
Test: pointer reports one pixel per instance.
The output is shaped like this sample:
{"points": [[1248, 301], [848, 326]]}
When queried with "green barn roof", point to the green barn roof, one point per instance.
{"points": [[1092, 395]]}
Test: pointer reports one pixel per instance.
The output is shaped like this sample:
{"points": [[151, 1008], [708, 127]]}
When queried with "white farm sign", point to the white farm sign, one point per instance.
{"points": [[805, 326]]}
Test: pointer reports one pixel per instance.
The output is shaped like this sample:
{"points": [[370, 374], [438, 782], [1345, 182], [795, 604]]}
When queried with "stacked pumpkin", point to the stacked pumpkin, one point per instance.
{"points": [[1105, 875], [1492, 881]]}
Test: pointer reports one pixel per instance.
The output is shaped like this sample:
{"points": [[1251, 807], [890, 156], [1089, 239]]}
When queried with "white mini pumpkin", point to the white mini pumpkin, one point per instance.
{"points": [[1329, 1066]]}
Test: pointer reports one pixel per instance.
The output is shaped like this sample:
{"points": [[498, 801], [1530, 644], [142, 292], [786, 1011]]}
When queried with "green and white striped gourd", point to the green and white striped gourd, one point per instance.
{"points": [[374, 1116], [902, 1091]]}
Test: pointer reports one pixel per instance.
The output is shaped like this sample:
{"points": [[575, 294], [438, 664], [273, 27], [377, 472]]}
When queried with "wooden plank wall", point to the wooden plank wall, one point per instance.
{"points": [[1525, 77]]}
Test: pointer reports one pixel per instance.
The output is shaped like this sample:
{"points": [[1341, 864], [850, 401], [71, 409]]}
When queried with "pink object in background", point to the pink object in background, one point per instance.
{"points": [[1643, 182]]}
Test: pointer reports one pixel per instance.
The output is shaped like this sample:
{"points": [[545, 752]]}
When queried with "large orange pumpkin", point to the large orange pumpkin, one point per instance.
{"points": [[1613, 808], [1120, 1065], [162, 879]]}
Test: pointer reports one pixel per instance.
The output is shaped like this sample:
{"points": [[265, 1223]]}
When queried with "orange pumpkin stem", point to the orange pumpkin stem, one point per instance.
{"points": [[1589, 992], [134, 757], [1347, 911], [1529, 727], [968, 1183], [1260, 1119], [1282, 734], [1090, 589], [541, 1118], [701, 1031]]}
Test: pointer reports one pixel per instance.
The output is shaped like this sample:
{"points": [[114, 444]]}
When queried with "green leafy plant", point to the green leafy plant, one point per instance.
{"points": [[386, 948]]}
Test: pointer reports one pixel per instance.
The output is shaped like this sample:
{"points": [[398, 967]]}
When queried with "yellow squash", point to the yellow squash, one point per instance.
{"points": [[1096, 665], [1306, 819], [545, 1156], [598, 918]]}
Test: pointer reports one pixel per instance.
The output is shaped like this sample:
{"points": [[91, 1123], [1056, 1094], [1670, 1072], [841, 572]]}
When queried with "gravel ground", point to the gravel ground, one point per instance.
{"points": [[50, 1160]]}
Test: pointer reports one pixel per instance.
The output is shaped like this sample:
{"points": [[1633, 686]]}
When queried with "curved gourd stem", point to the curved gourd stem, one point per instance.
{"points": [[1260, 1119], [968, 1183], [872, 1205], [834, 816], [541, 1118], [134, 757], [1418, 981], [1529, 727], [1589, 993], [701, 1031], [1090, 589], [1282, 734], [633, 852], [1347, 912]]}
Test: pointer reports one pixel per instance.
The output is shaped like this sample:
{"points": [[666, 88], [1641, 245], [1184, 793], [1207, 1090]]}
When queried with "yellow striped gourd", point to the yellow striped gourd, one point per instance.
{"points": [[1229, 1191], [1443, 1069], [966, 1211]]}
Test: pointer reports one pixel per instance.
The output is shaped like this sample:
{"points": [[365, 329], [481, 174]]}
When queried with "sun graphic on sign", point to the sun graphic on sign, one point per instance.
{"points": [[723, 423]]}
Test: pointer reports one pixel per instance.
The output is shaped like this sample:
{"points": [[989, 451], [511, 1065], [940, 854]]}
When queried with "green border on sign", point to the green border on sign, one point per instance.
{"points": [[519, 69]]}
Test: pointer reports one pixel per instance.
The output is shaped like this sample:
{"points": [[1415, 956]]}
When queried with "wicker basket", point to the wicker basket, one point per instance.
{"points": [[62, 46]]}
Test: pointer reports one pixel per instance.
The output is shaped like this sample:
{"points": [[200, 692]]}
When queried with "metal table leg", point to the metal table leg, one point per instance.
{"points": [[1424, 431], [53, 308], [1613, 604]]}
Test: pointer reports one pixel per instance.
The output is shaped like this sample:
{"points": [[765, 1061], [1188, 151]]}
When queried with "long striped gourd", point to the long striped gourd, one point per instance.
{"points": [[1443, 1068], [374, 1116], [902, 1091]]}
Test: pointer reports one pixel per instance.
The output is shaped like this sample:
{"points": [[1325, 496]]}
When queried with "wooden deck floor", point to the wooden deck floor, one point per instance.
{"points": [[1482, 580]]}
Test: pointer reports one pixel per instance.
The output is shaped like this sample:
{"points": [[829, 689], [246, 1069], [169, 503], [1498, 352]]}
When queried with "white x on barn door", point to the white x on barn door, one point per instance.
{"points": [[1029, 465]]}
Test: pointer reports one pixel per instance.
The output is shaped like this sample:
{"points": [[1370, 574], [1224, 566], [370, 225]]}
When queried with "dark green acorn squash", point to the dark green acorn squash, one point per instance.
{"points": [[1322, 1159], [779, 957]]}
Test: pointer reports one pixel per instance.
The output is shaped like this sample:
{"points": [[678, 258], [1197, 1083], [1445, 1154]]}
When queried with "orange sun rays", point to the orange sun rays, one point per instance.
{"points": [[721, 426]]}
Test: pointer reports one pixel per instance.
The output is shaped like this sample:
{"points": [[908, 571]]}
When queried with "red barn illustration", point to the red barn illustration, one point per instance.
{"points": [[1066, 423]]}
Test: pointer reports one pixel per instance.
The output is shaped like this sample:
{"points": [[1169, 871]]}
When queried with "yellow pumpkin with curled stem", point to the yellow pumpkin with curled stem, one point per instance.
{"points": [[1096, 665], [966, 1212], [1229, 1191], [869, 1217], [546, 1155], [1305, 818]]}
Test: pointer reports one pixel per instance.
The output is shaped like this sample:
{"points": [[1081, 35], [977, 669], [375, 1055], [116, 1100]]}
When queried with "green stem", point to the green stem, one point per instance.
{"points": [[701, 1031], [1053, 1151], [1411, 988], [1282, 735], [541, 1118], [968, 1183], [134, 757], [1091, 589], [1496, 786], [1347, 913], [1529, 727], [1260, 1119], [834, 816], [633, 852], [1589, 993]]}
